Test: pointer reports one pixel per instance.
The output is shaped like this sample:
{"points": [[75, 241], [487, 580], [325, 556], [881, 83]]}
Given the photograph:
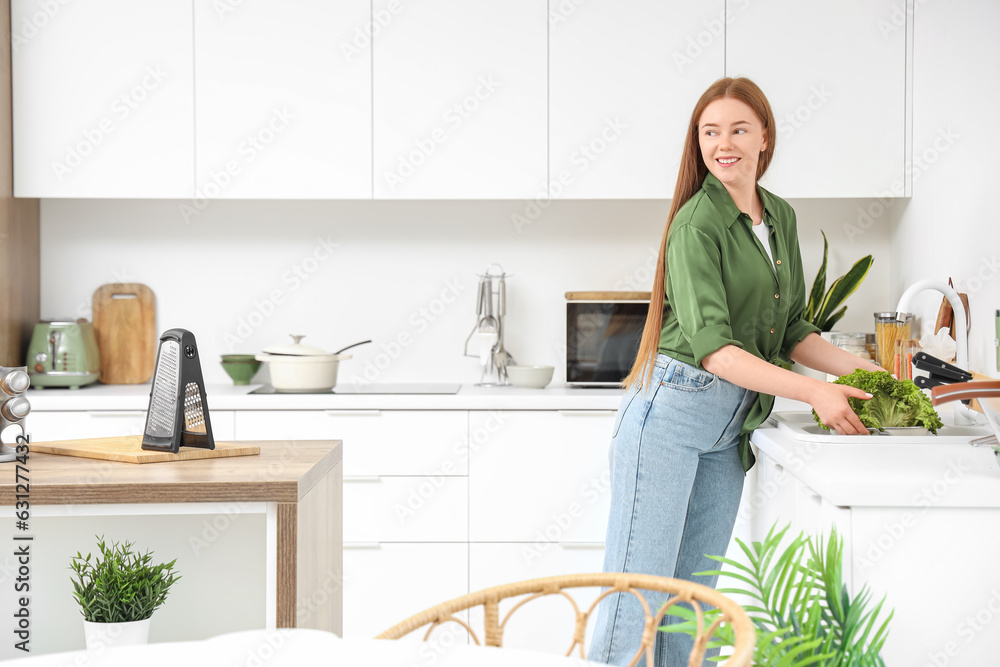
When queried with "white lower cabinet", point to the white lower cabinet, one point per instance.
{"points": [[385, 583], [545, 624], [46, 426], [539, 475], [406, 509], [376, 442]]}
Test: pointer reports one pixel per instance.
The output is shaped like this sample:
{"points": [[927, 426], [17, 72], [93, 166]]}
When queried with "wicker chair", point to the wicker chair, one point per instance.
{"points": [[683, 591]]}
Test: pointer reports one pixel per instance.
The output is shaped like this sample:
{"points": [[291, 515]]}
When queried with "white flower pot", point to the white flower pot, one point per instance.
{"points": [[116, 634]]}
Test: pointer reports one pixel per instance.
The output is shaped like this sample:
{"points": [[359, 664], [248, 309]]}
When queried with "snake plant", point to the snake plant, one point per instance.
{"points": [[822, 309], [800, 606]]}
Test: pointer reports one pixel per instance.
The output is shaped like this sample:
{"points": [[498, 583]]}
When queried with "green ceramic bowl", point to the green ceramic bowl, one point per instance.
{"points": [[237, 357], [241, 371]]}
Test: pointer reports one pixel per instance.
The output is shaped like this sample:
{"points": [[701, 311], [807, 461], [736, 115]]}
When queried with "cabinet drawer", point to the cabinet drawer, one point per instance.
{"points": [[540, 475], [376, 442], [45, 426], [406, 509], [387, 583]]}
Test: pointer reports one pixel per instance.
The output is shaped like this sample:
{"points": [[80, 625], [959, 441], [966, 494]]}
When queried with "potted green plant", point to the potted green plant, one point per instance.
{"points": [[824, 308], [800, 606], [118, 592]]}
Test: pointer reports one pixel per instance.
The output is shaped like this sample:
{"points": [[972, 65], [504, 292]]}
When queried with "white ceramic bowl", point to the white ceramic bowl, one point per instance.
{"points": [[530, 377]]}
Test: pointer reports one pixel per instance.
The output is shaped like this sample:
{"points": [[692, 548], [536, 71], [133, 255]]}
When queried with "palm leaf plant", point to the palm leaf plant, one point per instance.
{"points": [[799, 605], [120, 585], [825, 308]]}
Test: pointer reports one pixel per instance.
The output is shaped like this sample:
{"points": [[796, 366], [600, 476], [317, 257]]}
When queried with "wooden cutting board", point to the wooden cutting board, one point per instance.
{"points": [[125, 324], [128, 449]]}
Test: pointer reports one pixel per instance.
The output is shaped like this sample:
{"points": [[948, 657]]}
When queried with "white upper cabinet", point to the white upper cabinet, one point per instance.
{"points": [[460, 99], [283, 99], [835, 74], [103, 98], [624, 77]]}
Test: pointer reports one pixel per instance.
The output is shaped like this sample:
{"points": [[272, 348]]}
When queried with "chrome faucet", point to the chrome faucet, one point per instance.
{"points": [[963, 415]]}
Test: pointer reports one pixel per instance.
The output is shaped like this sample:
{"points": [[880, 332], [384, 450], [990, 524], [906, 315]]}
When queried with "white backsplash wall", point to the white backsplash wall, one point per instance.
{"points": [[243, 275], [950, 226]]}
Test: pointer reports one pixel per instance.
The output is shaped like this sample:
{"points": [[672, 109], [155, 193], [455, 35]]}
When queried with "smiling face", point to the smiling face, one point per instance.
{"points": [[731, 137]]}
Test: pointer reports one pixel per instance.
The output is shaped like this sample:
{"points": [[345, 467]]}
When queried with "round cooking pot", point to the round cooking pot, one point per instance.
{"points": [[298, 367]]}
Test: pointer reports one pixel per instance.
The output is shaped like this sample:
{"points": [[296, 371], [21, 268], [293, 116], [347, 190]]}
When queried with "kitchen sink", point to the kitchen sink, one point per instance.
{"points": [[802, 426]]}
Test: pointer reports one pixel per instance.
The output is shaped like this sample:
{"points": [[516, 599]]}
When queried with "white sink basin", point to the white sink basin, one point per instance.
{"points": [[802, 426]]}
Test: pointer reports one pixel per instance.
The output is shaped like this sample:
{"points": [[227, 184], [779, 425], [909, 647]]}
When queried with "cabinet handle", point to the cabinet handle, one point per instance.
{"points": [[362, 545], [362, 478], [121, 413], [588, 413], [581, 545], [353, 413]]}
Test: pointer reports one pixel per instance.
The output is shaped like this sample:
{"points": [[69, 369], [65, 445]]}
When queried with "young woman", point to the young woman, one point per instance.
{"points": [[733, 298]]}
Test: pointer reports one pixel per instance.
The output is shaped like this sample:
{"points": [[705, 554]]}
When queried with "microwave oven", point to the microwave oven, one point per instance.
{"points": [[603, 331]]}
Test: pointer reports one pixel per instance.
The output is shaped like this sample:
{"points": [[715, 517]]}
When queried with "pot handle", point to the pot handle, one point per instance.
{"points": [[350, 346]]}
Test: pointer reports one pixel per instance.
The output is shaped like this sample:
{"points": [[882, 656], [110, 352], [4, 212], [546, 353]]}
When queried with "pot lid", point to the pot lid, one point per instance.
{"points": [[296, 349]]}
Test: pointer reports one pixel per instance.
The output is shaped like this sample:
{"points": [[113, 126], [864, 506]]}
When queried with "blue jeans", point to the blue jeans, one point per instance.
{"points": [[676, 482]]}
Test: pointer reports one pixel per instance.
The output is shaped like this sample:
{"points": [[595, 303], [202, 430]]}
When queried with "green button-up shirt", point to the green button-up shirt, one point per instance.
{"points": [[722, 289]]}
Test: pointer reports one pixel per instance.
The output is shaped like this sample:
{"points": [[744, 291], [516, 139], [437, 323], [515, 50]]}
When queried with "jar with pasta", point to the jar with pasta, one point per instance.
{"points": [[890, 327]]}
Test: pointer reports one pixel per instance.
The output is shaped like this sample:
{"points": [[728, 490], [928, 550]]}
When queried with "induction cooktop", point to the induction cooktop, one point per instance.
{"points": [[373, 388]]}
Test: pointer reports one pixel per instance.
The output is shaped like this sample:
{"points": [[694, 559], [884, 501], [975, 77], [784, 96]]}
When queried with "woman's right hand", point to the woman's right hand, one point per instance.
{"points": [[830, 403]]}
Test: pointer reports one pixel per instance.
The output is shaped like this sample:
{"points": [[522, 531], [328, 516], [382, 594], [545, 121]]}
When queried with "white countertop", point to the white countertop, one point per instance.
{"points": [[870, 473], [876, 472], [229, 397]]}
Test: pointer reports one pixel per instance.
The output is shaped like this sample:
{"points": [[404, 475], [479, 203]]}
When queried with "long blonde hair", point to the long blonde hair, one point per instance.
{"points": [[689, 179]]}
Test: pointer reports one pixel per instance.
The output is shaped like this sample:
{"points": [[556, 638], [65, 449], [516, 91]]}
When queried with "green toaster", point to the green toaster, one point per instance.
{"points": [[63, 354]]}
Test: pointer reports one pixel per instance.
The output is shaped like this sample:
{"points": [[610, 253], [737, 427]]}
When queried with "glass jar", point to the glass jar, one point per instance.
{"points": [[890, 327], [855, 343]]}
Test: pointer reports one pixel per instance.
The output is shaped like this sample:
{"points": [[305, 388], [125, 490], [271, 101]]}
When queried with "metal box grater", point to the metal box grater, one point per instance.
{"points": [[178, 410]]}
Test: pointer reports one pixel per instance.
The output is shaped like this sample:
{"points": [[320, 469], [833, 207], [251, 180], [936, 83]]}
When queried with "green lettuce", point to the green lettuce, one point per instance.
{"points": [[893, 402]]}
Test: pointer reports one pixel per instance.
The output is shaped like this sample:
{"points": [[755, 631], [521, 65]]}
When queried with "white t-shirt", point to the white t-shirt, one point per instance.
{"points": [[763, 232]]}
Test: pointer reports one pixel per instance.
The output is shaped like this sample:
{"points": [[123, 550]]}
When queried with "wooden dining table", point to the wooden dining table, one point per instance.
{"points": [[299, 647]]}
